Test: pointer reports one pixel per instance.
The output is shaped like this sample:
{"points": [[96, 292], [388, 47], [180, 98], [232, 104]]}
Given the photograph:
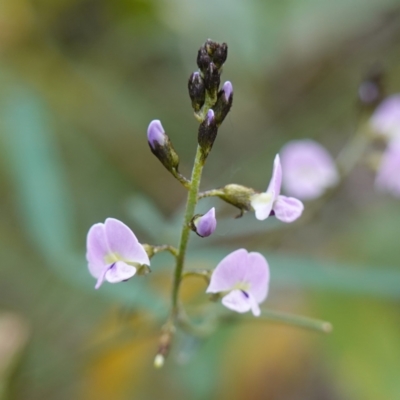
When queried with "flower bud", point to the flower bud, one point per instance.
{"points": [[204, 225], [203, 59], [239, 196], [212, 78], [207, 133], [197, 91], [224, 102], [220, 55], [161, 146], [211, 47]]}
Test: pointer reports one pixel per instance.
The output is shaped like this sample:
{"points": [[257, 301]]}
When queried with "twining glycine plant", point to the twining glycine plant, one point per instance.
{"points": [[241, 279]]}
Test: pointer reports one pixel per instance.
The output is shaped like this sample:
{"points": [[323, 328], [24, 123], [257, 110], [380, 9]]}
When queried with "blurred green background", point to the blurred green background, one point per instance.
{"points": [[80, 81]]}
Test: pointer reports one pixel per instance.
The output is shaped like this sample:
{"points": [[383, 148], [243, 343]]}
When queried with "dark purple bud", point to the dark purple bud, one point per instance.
{"points": [[197, 91], [224, 102], [203, 59], [212, 78], [220, 55], [211, 47], [207, 133]]}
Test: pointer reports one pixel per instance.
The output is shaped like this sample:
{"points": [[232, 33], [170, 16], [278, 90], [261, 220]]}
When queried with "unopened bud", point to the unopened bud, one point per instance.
{"points": [[161, 146], [220, 55], [238, 195], [212, 78], [211, 46], [371, 89], [204, 225], [207, 133], [203, 59], [197, 91], [224, 102]]}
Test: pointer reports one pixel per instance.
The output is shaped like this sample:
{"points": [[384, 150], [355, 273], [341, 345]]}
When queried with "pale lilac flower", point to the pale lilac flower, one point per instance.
{"points": [[386, 118], [113, 252], [309, 169], [243, 278], [388, 175], [156, 134], [271, 202], [205, 225]]}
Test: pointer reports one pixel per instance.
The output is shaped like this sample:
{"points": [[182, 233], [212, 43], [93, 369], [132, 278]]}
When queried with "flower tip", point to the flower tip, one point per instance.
{"points": [[228, 90], [159, 361], [155, 133], [210, 116], [206, 224]]}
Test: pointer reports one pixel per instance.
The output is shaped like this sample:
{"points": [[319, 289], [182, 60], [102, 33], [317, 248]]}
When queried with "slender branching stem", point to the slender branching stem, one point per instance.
{"points": [[189, 213], [287, 319], [210, 193], [166, 247], [179, 177]]}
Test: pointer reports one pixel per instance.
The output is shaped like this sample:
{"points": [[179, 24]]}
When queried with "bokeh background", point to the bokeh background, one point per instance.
{"points": [[80, 81]]}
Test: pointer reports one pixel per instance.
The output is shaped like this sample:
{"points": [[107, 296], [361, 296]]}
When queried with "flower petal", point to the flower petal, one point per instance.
{"points": [[96, 249], [230, 271], [241, 302], [237, 301], [287, 209], [123, 242], [262, 204], [276, 180], [257, 275], [206, 224], [102, 276], [309, 169], [119, 272]]}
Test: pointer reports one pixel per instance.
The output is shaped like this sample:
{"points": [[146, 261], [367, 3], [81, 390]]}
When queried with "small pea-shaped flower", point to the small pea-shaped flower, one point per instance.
{"points": [[242, 278], [113, 252], [309, 169], [271, 202], [204, 225]]}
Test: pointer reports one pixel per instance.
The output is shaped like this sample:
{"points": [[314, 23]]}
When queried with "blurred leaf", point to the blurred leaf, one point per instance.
{"points": [[43, 198]]}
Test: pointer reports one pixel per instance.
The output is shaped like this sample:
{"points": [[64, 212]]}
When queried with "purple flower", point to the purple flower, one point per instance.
{"points": [[243, 278], [205, 225], [309, 169], [113, 252], [286, 209], [386, 118], [388, 176], [156, 134]]}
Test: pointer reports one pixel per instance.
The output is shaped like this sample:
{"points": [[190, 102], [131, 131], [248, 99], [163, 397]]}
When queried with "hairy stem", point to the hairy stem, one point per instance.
{"points": [[189, 213]]}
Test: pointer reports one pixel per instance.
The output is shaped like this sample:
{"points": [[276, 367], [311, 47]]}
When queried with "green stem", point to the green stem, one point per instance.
{"points": [[211, 193], [165, 247], [294, 320], [189, 213], [185, 182]]}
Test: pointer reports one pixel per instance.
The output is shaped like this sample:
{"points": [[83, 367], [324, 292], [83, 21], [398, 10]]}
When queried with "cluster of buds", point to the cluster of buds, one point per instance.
{"points": [[210, 104]]}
